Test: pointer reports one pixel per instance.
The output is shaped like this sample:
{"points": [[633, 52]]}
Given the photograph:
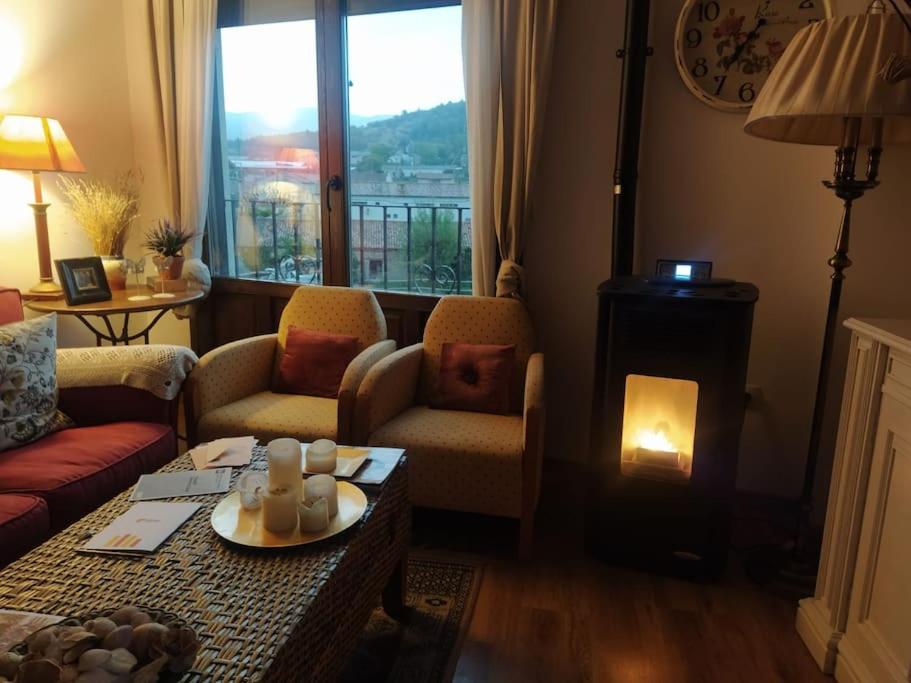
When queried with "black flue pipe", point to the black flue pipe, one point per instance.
{"points": [[635, 53]]}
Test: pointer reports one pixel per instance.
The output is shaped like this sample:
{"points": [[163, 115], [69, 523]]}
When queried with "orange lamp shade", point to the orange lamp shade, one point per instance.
{"points": [[36, 143]]}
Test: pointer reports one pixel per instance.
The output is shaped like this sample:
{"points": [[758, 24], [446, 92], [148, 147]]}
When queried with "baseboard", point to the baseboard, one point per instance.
{"points": [[817, 634], [846, 671]]}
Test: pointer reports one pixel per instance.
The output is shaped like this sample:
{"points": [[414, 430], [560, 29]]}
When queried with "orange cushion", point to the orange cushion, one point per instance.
{"points": [[314, 363], [10, 306], [475, 377]]}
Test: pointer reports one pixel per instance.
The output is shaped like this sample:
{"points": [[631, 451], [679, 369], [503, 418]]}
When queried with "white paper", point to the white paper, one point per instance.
{"points": [[142, 528], [174, 484], [231, 452]]}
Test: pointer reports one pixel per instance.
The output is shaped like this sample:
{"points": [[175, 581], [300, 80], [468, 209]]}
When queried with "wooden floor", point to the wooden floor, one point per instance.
{"points": [[564, 617]]}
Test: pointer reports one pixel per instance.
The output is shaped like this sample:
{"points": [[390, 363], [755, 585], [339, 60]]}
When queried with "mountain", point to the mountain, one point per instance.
{"points": [[250, 124]]}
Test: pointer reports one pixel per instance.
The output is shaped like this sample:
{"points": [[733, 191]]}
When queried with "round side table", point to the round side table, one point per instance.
{"points": [[143, 301]]}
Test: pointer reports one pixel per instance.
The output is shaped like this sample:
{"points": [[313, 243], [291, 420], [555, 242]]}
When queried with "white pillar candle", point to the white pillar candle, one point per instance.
{"points": [[252, 486], [313, 514], [284, 457], [322, 455], [279, 510], [323, 486]]}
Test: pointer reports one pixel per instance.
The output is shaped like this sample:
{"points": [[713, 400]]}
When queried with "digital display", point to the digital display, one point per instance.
{"points": [[683, 271]]}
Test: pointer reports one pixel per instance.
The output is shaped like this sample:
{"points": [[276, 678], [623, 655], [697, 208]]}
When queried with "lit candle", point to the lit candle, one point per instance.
{"points": [[323, 486], [280, 510], [313, 514], [284, 457], [322, 455]]}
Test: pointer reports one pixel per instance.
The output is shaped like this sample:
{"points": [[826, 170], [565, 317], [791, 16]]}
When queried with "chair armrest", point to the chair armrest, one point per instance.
{"points": [[228, 374], [159, 369], [351, 382], [389, 388], [533, 417]]}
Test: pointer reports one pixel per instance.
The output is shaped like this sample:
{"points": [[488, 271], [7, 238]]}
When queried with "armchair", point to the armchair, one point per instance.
{"points": [[230, 392], [460, 460]]}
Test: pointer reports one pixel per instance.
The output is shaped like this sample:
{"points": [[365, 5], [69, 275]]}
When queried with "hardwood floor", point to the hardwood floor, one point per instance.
{"points": [[565, 617]]}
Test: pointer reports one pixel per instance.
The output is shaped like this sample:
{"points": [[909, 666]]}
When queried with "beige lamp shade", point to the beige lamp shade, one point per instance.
{"points": [[832, 70], [36, 143]]}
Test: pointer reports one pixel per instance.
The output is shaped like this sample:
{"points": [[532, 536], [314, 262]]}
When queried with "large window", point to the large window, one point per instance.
{"points": [[342, 148]]}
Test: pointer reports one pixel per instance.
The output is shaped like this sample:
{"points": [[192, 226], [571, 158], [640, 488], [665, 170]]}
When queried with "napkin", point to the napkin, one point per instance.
{"points": [[230, 452]]}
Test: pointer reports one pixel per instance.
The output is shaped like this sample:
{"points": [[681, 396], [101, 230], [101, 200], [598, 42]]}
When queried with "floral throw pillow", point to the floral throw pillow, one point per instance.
{"points": [[28, 382]]}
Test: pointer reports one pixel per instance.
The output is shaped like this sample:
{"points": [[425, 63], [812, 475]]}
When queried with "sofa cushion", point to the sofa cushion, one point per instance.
{"points": [[475, 377], [28, 382], [24, 524], [78, 469], [314, 363], [267, 415], [459, 460]]}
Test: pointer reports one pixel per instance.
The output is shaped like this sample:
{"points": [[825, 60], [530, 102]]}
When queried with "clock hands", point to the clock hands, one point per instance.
{"points": [[751, 36]]}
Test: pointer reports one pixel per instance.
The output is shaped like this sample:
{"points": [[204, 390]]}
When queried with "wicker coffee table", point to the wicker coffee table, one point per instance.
{"points": [[290, 615]]}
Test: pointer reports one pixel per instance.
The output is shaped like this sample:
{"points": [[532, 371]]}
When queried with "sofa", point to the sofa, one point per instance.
{"points": [[123, 401]]}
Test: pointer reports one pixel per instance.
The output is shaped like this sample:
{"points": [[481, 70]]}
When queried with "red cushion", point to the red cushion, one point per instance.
{"points": [[24, 523], [475, 377], [78, 469], [314, 362], [10, 306]]}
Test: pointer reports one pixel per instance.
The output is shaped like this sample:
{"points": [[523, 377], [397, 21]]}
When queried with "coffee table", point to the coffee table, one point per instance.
{"points": [[289, 615]]}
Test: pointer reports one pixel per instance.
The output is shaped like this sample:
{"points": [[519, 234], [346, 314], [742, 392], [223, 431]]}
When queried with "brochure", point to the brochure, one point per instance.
{"points": [[142, 528], [175, 484]]}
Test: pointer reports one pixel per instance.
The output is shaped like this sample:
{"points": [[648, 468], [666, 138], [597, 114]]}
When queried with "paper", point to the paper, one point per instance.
{"points": [[174, 484], [17, 626], [231, 452], [142, 528]]}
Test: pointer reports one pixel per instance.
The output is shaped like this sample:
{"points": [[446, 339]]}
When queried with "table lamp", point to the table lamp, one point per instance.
{"points": [[38, 143], [836, 85]]}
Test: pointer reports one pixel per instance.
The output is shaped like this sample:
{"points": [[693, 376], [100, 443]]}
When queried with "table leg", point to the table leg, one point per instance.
{"points": [[394, 593]]}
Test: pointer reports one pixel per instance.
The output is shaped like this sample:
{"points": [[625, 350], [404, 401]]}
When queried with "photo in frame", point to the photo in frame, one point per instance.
{"points": [[83, 280]]}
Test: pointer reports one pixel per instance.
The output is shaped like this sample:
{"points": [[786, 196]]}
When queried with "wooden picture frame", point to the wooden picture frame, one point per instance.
{"points": [[83, 280]]}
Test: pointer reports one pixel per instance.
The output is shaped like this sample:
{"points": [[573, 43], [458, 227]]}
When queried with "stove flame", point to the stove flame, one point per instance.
{"points": [[656, 440]]}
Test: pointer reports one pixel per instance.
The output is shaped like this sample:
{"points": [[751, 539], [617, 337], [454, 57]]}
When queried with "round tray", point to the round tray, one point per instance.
{"points": [[244, 527]]}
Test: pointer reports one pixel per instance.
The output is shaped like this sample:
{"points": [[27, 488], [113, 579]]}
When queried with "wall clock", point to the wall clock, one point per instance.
{"points": [[725, 49]]}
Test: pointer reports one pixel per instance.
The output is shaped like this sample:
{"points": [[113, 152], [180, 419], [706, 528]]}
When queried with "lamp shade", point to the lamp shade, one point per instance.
{"points": [[36, 143], [832, 70]]}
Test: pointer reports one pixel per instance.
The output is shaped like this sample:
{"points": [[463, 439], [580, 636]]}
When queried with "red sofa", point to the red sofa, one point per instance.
{"points": [[121, 432]]}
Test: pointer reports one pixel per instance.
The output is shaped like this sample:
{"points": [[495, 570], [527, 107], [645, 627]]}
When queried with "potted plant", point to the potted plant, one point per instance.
{"points": [[106, 213], [166, 241]]}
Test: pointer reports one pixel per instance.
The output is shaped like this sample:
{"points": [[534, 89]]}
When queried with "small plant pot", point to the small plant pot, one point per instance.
{"points": [[113, 270], [175, 270], [169, 267]]}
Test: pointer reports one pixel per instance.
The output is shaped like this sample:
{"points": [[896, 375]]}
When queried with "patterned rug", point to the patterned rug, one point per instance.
{"points": [[441, 595]]}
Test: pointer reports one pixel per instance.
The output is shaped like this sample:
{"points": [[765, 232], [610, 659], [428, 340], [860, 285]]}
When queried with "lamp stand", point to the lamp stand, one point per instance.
{"points": [[46, 287]]}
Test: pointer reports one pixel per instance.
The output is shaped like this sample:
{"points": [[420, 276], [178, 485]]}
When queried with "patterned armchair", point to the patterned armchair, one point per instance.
{"points": [[230, 391], [459, 460]]}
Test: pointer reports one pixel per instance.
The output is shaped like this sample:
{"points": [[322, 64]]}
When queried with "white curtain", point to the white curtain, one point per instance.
{"points": [[183, 41], [507, 48]]}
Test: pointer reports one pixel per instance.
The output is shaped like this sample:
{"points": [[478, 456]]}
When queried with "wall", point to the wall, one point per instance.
{"points": [[707, 191]]}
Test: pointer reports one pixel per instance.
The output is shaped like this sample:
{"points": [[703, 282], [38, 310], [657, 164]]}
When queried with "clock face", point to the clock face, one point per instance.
{"points": [[726, 48]]}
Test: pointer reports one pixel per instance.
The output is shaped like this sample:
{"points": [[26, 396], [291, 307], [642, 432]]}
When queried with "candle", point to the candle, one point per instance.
{"points": [[313, 514], [251, 486], [323, 486], [284, 456], [321, 456], [280, 510]]}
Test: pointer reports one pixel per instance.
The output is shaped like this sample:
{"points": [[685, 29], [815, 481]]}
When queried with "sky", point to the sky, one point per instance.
{"points": [[397, 61]]}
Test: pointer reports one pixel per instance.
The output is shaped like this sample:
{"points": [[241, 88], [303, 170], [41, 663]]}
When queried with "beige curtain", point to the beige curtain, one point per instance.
{"points": [[183, 42], [507, 48]]}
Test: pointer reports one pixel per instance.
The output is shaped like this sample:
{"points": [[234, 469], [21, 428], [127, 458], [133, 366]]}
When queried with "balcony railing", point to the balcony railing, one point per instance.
{"points": [[400, 247]]}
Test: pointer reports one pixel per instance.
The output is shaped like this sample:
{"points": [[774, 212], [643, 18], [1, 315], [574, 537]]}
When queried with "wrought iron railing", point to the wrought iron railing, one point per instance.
{"points": [[400, 247]]}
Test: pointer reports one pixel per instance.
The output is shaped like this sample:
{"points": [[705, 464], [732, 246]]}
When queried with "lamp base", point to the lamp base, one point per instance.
{"points": [[46, 289]]}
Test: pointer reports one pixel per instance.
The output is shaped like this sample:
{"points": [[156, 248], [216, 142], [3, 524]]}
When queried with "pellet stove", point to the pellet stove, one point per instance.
{"points": [[669, 401]]}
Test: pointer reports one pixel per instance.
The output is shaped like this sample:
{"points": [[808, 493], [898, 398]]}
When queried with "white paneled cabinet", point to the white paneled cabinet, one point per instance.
{"points": [[858, 623]]}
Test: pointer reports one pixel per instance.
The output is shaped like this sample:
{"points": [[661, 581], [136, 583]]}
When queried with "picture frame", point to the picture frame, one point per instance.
{"points": [[83, 280]]}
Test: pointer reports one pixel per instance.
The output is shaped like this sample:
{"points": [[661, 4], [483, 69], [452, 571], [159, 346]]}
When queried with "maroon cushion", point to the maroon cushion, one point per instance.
{"points": [[24, 523], [88, 406], [78, 469], [10, 306], [475, 377], [315, 362]]}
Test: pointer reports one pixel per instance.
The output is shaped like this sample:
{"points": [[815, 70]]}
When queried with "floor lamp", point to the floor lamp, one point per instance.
{"points": [[830, 88], [38, 143]]}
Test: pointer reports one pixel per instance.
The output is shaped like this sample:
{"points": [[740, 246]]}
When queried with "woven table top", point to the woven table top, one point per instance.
{"points": [[272, 615]]}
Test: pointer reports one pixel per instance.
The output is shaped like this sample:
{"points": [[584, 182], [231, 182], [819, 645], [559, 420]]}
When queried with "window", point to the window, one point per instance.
{"points": [[374, 97]]}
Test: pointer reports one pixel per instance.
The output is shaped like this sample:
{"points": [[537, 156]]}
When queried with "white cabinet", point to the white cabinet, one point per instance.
{"points": [[858, 623]]}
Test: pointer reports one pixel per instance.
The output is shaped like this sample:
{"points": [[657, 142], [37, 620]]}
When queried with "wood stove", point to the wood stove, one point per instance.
{"points": [[669, 401]]}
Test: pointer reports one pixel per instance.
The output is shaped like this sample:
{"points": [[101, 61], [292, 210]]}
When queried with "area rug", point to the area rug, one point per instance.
{"points": [[441, 596]]}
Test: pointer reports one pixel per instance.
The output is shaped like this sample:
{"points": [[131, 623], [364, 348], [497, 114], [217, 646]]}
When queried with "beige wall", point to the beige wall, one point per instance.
{"points": [[707, 191]]}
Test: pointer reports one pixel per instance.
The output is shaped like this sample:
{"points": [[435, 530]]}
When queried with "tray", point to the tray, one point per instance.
{"points": [[347, 464]]}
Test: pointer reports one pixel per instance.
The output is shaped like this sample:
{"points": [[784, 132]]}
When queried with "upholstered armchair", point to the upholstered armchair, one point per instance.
{"points": [[461, 460], [231, 392]]}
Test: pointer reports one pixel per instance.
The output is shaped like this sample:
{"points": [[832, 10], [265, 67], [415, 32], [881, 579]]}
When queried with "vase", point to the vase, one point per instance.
{"points": [[114, 271], [169, 267], [176, 268]]}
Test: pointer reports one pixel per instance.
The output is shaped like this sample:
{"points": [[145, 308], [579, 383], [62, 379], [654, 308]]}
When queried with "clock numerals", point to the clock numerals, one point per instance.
{"points": [[708, 11], [693, 38], [746, 93], [720, 81], [700, 68]]}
